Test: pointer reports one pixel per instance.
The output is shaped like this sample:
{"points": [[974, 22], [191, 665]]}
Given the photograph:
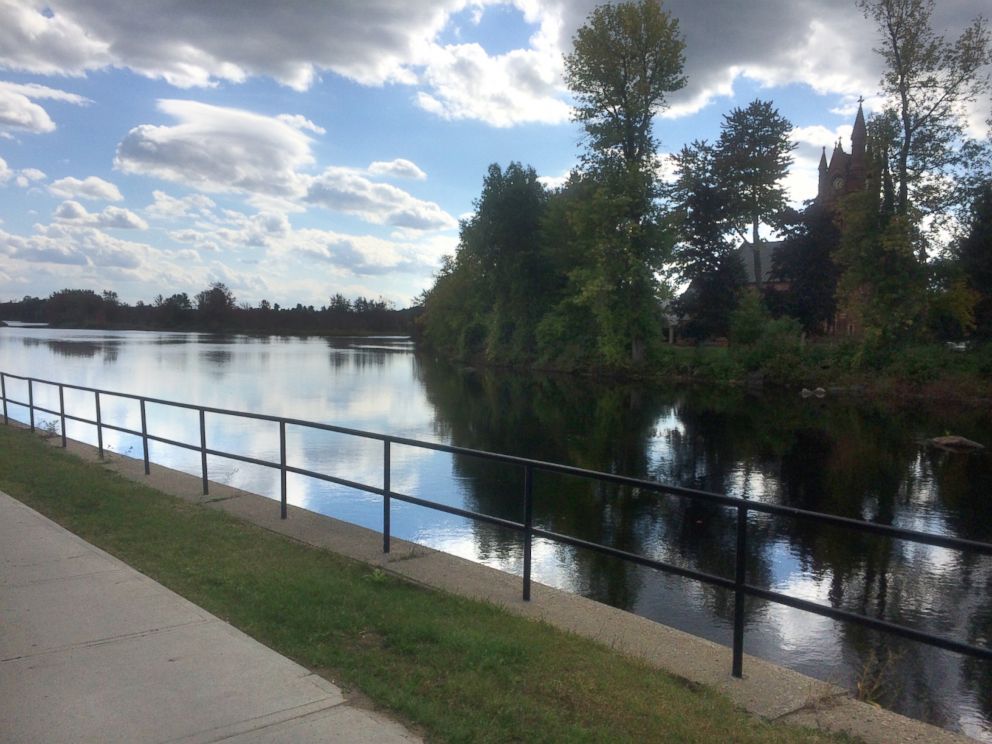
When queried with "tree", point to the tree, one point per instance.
{"points": [[974, 253], [504, 238], [705, 259], [625, 60], [215, 303], [929, 81], [753, 155], [806, 260], [339, 304], [882, 285]]}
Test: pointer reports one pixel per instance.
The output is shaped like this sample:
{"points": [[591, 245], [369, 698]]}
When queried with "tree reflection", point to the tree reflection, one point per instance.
{"points": [[848, 458]]}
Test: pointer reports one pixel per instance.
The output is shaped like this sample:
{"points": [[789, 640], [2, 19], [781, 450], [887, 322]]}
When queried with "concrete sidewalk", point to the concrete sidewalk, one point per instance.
{"points": [[93, 651]]}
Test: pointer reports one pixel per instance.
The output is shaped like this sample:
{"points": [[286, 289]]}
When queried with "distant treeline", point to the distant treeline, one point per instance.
{"points": [[214, 309]]}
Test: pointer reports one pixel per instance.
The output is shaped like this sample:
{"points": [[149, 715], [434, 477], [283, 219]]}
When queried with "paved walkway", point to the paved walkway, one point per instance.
{"points": [[93, 651]]}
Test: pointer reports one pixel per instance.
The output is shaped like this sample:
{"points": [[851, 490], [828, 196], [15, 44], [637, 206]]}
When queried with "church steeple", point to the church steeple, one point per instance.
{"points": [[824, 184], [859, 137]]}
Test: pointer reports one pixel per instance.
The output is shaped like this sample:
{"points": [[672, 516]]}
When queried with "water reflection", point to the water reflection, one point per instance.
{"points": [[82, 349], [844, 458]]}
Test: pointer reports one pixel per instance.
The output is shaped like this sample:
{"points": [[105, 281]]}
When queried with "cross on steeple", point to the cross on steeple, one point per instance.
{"points": [[861, 99]]}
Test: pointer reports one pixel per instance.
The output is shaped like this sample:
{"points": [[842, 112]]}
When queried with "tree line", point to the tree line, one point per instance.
{"points": [[213, 309], [592, 273]]}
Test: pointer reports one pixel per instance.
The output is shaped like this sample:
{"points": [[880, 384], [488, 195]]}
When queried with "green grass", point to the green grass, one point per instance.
{"points": [[461, 671]]}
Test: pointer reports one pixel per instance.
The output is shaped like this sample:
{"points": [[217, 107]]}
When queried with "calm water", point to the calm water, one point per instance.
{"points": [[849, 458]]}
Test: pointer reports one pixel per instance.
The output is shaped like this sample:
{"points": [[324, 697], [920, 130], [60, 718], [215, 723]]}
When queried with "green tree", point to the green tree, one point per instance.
{"points": [[753, 155], [705, 258], [929, 81], [974, 254], [882, 285], [504, 238], [625, 61], [806, 260], [215, 304]]}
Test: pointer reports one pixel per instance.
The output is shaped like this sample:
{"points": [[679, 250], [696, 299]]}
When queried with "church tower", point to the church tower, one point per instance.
{"points": [[845, 173]]}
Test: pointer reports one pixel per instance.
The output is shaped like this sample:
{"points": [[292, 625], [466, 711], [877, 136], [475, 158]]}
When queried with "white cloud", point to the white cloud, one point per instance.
{"points": [[5, 172], [19, 111], [27, 176], [110, 217], [219, 149], [346, 190], [165, 206], [73, 245], [521, 86], [301, 122], [398, 168], [364, 254], [90, 187]]}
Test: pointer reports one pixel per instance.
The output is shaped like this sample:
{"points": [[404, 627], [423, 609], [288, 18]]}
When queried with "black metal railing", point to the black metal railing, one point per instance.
{"points": [[738, 584]]}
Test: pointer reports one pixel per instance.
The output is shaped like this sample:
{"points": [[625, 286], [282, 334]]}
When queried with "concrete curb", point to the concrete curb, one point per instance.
{"points": [[767, 690]]}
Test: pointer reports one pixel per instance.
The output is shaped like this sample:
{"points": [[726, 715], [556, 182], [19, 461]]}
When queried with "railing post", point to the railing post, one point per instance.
{"points": [[31, 402], [385, 496], [282, 469], [740, 577], [99, 424], [62, 413], [203, 450], [144, 436], [3, 392], [528, 526]]}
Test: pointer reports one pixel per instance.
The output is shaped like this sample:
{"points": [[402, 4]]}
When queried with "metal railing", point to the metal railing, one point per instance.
{"points": [[738, 584]]}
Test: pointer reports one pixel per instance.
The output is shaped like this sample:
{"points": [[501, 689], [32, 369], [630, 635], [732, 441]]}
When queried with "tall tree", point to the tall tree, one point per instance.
{"points": [[974, 253], [705, 258], [625, 61], [806, 260], [929, 82], [753, 155], [504, 237]]}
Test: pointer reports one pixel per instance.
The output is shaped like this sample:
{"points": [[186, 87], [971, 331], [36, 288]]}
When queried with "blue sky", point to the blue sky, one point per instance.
{"points": [[296, 150]]}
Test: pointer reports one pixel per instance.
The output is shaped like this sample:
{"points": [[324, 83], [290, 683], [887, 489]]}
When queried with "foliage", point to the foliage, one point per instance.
{"points": [[215, 303], [753, 155], [748, 319], [625, 60], [82, 306], [806, 259], [619, 248], [928, 80], [882, 286], [974, 253], [704, 256], [489, 298]]}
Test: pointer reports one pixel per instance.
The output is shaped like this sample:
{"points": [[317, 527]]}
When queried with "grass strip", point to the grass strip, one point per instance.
{"points": [[460, 670]]}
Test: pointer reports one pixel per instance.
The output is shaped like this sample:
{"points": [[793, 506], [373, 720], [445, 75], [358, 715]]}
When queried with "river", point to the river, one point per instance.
{"points": [[847, 457]]}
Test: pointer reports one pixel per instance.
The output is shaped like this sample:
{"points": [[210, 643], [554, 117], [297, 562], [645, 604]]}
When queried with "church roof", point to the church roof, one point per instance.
{"points": [[766, 251]]}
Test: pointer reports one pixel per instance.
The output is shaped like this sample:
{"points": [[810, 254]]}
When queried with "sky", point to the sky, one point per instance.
{"points": [[294, 150]]}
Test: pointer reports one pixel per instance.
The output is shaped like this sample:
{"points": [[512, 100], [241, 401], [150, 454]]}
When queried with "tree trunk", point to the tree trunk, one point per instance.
{"points": [[756, 253]]}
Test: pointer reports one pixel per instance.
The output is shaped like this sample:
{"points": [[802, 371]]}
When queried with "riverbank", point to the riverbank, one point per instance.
{"points": [[772, 692], [460, 670], [924, 372]]}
